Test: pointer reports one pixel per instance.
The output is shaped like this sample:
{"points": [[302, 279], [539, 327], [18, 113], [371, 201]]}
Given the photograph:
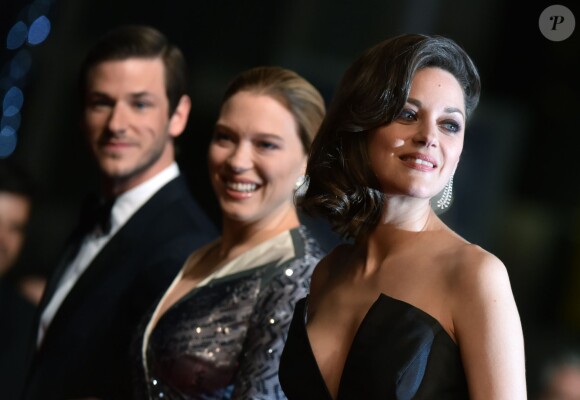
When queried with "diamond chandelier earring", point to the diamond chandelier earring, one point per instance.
{"points": [[445, 201], [300, 186], [299, 182]]}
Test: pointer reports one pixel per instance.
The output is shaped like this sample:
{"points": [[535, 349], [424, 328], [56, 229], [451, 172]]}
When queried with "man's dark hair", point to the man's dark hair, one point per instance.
{"points": [[139, 41]]}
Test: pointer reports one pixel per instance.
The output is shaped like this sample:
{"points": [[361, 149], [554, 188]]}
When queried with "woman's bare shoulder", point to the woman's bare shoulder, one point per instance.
{"points": [[329, 266], [476, 273]]}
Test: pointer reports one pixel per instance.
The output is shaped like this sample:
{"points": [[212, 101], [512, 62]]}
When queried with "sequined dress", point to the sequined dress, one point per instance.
{"points": [[398, 353], [223, 340]]}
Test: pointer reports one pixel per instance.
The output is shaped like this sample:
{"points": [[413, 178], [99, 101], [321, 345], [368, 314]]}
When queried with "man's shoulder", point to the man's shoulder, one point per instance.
{"points": [[172, 212], [175, 198]]}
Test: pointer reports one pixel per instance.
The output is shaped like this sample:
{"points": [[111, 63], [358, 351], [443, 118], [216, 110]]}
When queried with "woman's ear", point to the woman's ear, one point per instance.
{"points": [[303, 166]]}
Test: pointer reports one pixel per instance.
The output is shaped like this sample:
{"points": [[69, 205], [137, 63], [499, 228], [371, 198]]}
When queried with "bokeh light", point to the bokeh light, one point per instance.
{"points": [[12, 121], [13, 101], [13, 77], [8, 141], [39, 30], [16, 36]]}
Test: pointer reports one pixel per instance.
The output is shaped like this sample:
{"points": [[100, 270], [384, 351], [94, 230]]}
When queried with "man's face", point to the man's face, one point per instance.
{"points": [[127, 121], [14, 214]]}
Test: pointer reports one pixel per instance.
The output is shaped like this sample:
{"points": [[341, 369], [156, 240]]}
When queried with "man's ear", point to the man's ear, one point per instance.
{"points": [[178, 120]]}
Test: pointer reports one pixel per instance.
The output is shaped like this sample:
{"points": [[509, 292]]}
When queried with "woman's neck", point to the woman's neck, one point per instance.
{"points": [[407, 214], [397, 229]]}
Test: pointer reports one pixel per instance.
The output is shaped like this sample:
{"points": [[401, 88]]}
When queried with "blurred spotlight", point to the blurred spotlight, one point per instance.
{"points": [[7, 141], [12, 121], [20, 64], [39, 30], [16, 36], [13, 101]]}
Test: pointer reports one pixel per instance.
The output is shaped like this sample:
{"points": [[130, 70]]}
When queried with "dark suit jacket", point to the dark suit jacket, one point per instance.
{"points": [[85, 349], [16, 320]]}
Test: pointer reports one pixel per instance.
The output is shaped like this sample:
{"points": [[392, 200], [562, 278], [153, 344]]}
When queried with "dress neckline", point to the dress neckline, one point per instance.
{"points": [[382, 298]]}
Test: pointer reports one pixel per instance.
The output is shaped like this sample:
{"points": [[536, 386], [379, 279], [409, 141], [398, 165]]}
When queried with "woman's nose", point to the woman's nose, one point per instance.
{"points": [[240, 159], [427, 134]]}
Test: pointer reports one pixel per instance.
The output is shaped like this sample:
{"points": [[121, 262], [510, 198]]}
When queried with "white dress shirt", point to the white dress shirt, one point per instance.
{"points": [[125, 206]]}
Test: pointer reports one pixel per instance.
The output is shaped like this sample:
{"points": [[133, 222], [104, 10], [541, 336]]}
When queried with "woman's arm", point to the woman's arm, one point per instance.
{"points": [[488, 328], [257, 377]]}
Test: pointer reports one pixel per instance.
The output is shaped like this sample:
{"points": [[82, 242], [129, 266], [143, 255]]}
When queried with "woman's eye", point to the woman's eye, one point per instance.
{"points": [[407, 115], [267, 145], [99, 103], [451, 126], [221, 137]]}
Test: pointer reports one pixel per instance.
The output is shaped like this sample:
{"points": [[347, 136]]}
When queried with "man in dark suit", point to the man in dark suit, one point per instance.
{"points": [[134, 85], [16, 311]]}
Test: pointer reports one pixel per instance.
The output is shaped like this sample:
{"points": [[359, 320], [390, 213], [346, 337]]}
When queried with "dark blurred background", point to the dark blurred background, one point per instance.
{"points": [[517, 188]]}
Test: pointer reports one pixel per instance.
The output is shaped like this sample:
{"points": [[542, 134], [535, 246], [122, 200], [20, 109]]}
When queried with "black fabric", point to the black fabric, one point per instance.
{"points": [[16, 321], [85, 352], [399, 353], [96, 212]]}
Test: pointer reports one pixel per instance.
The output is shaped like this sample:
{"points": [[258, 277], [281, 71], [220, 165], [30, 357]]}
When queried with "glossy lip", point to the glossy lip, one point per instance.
{"points": [[408, 159]]}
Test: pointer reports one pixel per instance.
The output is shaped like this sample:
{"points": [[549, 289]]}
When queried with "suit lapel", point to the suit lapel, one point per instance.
{"points": [[68, 255], [117, 252]]}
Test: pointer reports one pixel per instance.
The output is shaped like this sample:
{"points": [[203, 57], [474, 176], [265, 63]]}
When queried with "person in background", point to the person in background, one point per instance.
{"points": [[409, 310], [219, 330], [16, 311], [127, 249], [560, 377]]}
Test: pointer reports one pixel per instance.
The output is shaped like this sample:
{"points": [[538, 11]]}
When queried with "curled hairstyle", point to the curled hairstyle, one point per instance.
{"points": [[140, 41], [294, 92], [371, 94]]}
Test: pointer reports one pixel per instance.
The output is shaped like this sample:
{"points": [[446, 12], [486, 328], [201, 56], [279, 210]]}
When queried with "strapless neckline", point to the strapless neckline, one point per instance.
{"points": [[398, 352], [372, 309]]}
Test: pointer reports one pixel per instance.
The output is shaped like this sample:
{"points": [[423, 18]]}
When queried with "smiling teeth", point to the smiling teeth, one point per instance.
{"points": [[242, 187], [423, 162]]}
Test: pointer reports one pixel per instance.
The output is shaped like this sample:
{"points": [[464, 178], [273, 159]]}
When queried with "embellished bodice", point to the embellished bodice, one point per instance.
{"points": [[398, 353], [224, 338]]}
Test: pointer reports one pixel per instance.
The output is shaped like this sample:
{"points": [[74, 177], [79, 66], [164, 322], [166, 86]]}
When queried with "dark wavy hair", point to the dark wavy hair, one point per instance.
{"points": [[294, 92], [140, 41], [371, 94]]}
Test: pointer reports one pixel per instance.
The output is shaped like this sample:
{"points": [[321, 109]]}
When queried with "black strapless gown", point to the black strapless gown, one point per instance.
{"points": [[399, 352]]}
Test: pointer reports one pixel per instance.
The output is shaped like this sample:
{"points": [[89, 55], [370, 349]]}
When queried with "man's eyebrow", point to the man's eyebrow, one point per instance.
{"points": [[142, 94]]}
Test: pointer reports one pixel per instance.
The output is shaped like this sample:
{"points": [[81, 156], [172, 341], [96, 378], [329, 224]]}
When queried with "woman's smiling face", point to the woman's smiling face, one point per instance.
{"points": [[255, 158], [417, 153]]}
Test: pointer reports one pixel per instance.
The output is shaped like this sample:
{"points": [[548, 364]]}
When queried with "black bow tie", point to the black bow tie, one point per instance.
{"points": [[97, 213]]}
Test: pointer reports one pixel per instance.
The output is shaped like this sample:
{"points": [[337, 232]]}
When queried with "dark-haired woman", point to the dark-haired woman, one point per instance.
{"points": [[411, 310]]}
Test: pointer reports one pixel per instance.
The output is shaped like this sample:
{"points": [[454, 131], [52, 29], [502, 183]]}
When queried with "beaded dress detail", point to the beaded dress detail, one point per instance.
{"points": [[223, 340]]}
